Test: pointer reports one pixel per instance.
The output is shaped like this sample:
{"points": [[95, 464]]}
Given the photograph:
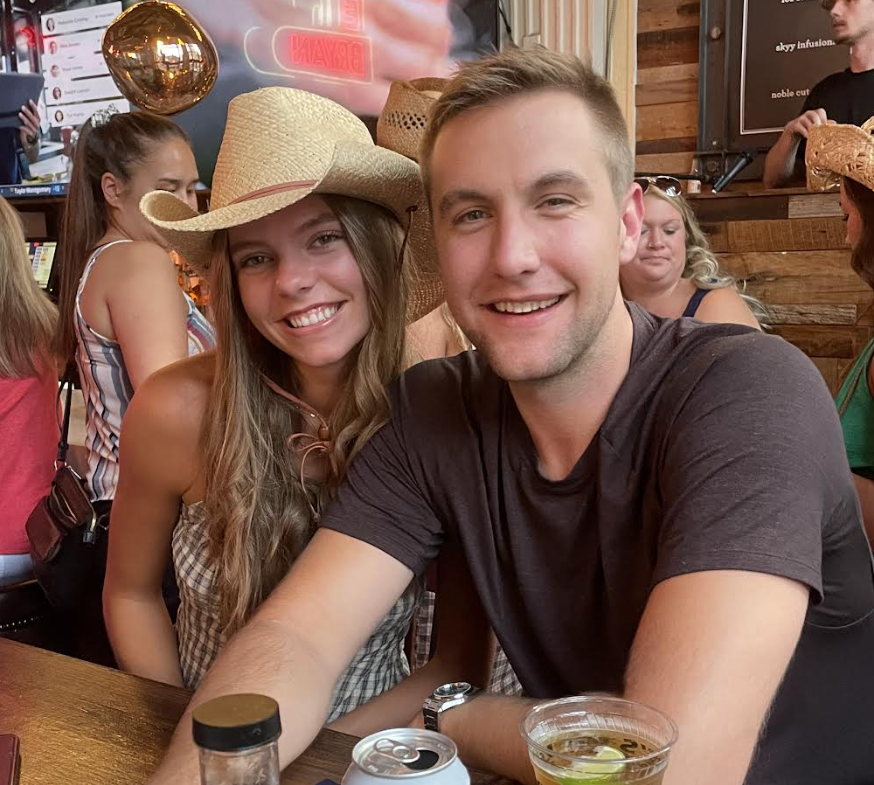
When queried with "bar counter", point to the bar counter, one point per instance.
{"points": [[82, 724]]}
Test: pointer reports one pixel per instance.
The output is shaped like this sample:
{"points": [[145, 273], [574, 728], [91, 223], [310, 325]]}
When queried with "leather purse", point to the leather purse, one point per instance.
{"points": [[65, 532]]}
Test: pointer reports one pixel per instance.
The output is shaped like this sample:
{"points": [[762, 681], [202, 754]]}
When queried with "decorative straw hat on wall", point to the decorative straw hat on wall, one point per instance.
{"points": [[835, 151], [281, 145]]}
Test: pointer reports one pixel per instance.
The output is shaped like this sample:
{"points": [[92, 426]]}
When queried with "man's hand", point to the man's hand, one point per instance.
{"points": [[781, 159], [29, 130], [801, 125]]}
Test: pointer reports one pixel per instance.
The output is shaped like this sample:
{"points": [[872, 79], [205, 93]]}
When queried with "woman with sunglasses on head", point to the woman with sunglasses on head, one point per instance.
{"points": [[674, 273], [845, 154], [227, 458]]}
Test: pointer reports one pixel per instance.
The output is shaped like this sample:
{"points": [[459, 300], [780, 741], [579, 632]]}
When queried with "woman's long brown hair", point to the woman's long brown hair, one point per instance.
{"points": [[862, 257], [259, 514], [119, 146]]}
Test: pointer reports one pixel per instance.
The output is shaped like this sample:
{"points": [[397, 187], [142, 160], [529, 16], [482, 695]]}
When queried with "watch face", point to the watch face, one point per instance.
{"points": [[455, 689]]}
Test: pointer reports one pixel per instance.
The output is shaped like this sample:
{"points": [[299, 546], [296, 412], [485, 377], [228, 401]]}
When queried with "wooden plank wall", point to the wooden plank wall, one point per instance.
{"points": [[789, 248], [667, 84], [797, 263]]}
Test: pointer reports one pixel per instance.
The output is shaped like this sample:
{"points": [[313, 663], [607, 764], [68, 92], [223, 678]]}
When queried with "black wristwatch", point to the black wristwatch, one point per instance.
{"points": [[445, 697]]}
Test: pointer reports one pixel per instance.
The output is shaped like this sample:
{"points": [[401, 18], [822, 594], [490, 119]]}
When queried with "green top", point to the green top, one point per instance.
{"points": [[856, 406]]}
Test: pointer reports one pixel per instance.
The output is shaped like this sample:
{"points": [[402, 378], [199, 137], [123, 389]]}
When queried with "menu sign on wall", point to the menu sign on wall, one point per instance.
{"points": [[77, 81], [787, 49]]}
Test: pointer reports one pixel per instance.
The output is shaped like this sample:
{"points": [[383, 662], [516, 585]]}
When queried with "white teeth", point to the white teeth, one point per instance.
{"points": [[534, 305], [321, 314]]}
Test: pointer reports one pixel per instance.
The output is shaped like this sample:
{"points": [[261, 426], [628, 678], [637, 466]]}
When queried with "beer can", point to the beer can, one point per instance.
{"points": [[422, 756]]}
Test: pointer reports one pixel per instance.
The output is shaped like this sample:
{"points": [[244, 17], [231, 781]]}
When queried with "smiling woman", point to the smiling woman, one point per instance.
{"points": [[229, 457]]}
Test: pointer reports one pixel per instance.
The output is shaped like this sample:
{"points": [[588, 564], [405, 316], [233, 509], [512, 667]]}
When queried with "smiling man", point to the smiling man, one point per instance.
{"points": [[844, 97], [649, 507]]}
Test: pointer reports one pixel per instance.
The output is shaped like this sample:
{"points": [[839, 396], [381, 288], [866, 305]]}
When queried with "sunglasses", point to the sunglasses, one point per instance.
{"points": [[668, 185]]}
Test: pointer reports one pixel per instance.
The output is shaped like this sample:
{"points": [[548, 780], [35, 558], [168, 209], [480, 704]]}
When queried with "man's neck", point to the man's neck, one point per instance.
{"points": [[563, 415], [862, 54]]}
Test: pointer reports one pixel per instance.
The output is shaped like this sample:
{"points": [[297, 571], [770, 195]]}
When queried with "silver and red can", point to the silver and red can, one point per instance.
{"points": [[420, 756]]}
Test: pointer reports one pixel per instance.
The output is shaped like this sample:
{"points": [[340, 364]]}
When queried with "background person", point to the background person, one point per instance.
{"points": [[15, 140], [28, 396], [675, 273], [847, 152], [122, 314], [844, 97]]}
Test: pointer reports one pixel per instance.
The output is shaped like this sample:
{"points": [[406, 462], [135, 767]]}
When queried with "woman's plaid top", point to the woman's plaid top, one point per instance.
{"points": [[378, 666]]}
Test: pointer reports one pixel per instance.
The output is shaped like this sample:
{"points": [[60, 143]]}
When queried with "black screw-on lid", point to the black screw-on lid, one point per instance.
{"points": [[235, 722]]}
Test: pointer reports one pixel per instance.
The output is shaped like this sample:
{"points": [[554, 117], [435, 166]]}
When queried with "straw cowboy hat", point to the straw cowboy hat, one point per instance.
{"points": [[281, 145], [835, 151], [405, 115]]}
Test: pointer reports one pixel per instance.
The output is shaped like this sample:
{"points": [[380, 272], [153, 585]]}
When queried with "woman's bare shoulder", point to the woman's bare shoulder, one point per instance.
{"points": [[177, 396], [725, 306]]}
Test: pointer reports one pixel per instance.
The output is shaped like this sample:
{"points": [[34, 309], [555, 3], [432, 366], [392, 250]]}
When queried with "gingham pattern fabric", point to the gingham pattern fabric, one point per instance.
{"points": [[107, 388], [378, 666], [503, 680]]}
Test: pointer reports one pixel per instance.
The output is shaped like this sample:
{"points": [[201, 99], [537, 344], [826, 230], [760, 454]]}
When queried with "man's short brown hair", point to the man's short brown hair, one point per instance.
{"points": [[516, 72]]}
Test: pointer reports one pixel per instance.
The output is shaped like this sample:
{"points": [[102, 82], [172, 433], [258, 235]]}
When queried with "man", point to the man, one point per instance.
{"points": [[644, 506], [845, 97]]}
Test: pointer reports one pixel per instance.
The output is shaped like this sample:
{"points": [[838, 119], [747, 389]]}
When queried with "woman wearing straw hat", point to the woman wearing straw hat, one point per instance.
{"points": [[228, 457], [845, 154]]}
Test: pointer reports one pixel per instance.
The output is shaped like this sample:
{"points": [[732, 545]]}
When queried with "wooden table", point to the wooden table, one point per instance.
{"points": [[81, 724]]}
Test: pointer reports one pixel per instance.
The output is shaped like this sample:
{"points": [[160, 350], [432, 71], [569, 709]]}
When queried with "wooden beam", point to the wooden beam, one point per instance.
{"points": [[667, 14], [666, 121]]}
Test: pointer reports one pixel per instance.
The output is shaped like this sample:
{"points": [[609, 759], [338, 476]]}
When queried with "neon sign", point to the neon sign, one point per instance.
{"points": [[332, 48]]}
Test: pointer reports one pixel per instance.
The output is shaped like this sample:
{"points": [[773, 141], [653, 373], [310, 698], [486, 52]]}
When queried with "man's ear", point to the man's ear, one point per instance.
{"points": [[630, 223], [113, 189]]}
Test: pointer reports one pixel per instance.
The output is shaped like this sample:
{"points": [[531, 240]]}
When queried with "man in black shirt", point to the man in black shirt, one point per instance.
{"points": [[844, 97], [648, 506]]}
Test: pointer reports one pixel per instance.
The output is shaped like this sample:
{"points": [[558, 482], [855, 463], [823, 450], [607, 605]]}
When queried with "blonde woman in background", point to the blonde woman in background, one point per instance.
{"points": [[28, 393], [675, 273]]}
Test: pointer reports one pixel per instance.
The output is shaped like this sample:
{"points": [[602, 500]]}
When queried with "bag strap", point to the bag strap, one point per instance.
{"points": [[63, 444]]}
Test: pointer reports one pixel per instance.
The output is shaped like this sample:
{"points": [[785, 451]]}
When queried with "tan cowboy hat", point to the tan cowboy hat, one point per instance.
{"points": [[835, 151], [281, 145], [402, 122]]}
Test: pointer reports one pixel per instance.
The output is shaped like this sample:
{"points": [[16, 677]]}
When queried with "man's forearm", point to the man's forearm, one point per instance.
{"points": [[487, 733], [268, 659], [780, 161]]}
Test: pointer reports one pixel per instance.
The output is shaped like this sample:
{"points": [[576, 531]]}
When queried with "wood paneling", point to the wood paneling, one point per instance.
{"points": [[667, 14], [660, 121], [787, 248], [667, 84]]}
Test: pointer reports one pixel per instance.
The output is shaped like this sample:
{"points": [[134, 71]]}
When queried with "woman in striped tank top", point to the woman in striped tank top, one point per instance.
{"points": [[122, 313], [228, 457]]}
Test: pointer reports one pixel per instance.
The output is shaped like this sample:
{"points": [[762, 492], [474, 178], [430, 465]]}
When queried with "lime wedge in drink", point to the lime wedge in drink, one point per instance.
{"points": [[604, 767]]}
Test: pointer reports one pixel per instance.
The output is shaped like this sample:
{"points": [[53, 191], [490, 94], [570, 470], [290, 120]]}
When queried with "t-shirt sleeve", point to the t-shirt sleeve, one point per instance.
{"points": [[382, 501], [752, 467]]}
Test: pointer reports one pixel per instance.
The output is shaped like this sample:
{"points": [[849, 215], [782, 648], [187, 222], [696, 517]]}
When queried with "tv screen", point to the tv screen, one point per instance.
{"points": [[347, 50]]}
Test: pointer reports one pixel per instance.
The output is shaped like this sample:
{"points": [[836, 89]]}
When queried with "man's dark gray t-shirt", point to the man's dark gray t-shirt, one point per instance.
{"points": [[721, 450]]}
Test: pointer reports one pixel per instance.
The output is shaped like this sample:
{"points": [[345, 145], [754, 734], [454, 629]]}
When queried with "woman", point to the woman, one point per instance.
{"points": [[28, 392], [227, 458], [674, 273], [122, 313], [845, 154]]}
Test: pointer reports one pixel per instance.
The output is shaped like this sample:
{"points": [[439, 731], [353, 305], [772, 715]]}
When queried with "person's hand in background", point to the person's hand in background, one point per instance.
{"points": [[802, 124], [408, 39], [29, 130]]}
